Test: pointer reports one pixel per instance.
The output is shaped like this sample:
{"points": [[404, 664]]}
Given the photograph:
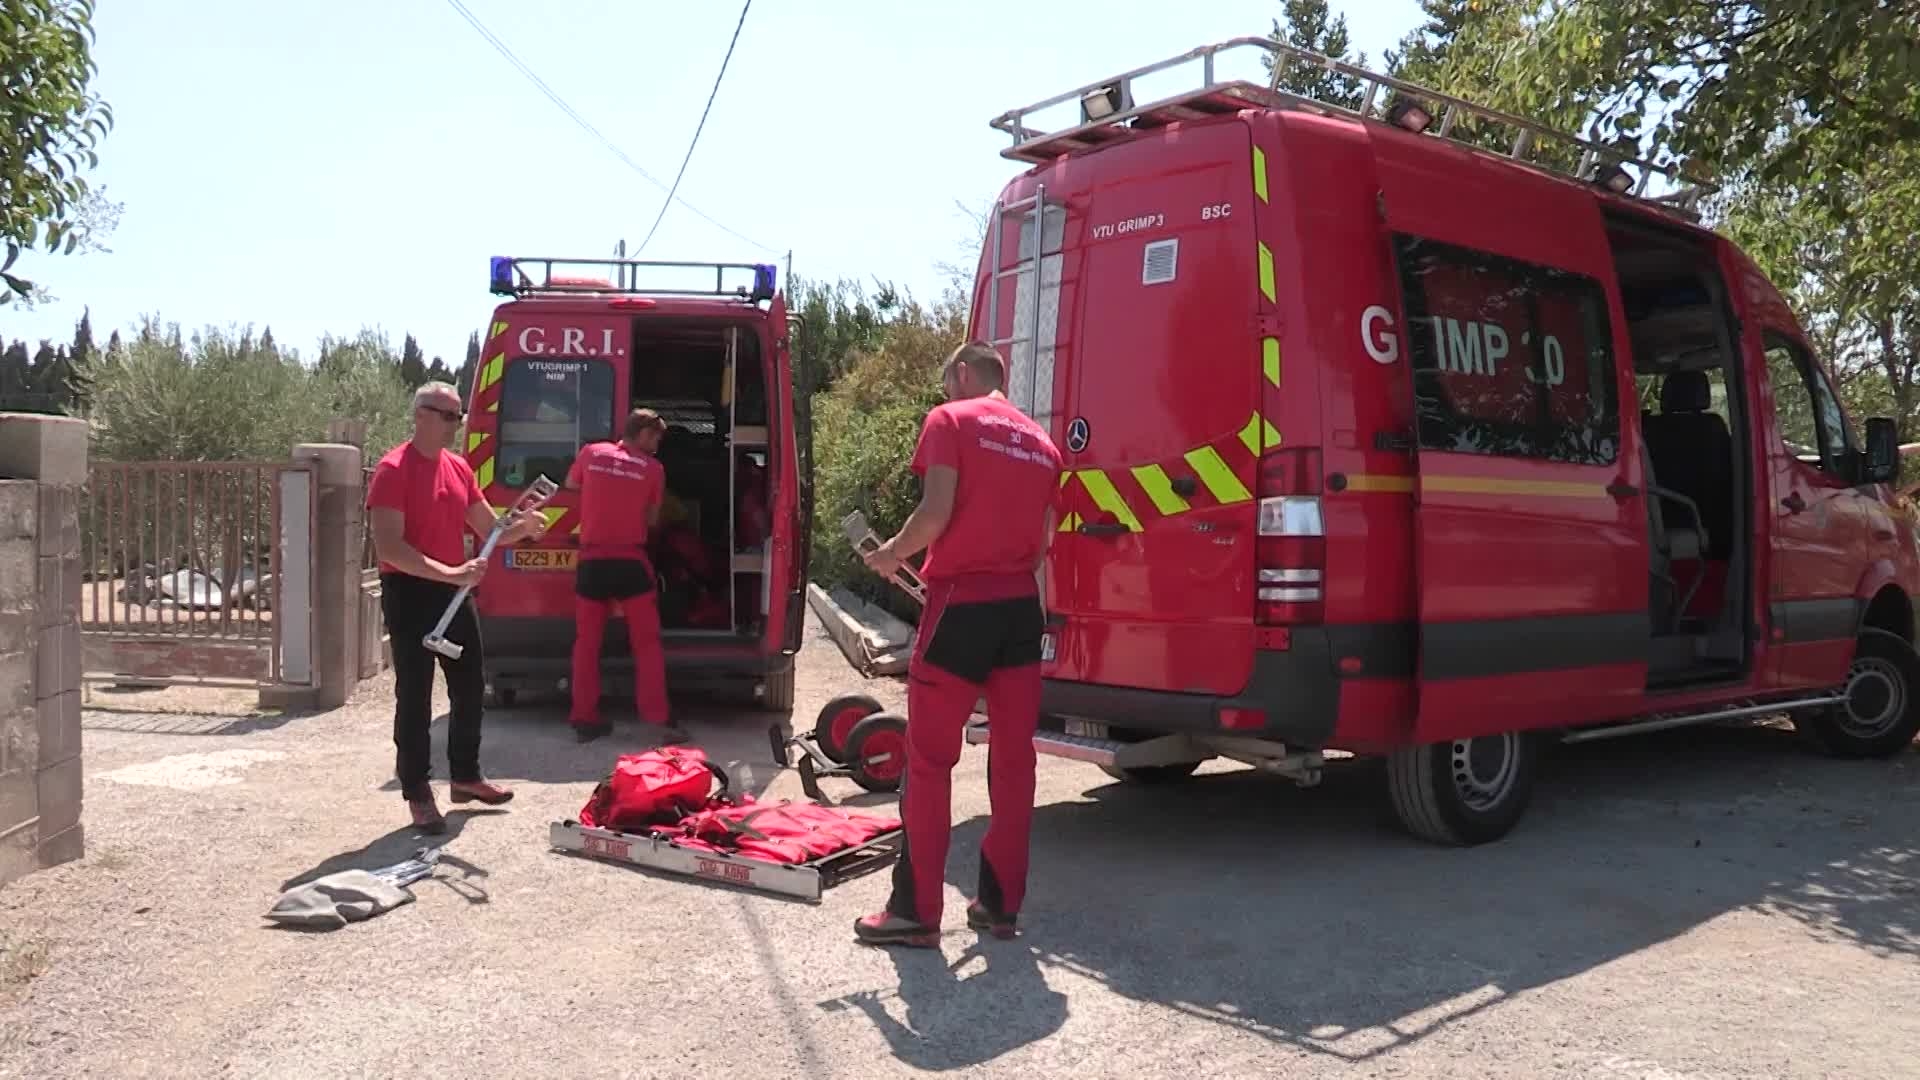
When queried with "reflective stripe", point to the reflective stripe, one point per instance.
{"points": [[1070, 522], [1106, 498], [1270, 359], [483, 474], [490, 373], [1260, 174], [1153, 480], [1266, 272], [1257, 428], [501, 328], [474, 439], [1214, 473]]}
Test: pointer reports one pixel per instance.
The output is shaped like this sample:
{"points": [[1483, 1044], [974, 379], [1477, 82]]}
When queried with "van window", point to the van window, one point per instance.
{"points": [[1805, 407], [1509, 358], [549, 409]]}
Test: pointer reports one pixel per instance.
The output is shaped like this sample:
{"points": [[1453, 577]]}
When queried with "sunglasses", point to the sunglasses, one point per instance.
{"points": [[450, 415]]}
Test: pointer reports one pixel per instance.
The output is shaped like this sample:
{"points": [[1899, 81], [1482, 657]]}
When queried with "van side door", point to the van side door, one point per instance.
{"points": [[1530, 536]]}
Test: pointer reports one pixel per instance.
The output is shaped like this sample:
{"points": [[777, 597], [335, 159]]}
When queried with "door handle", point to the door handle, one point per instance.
{"points": [[1794, 503], [1105, 528], [1184, 486], [1620, 489]]}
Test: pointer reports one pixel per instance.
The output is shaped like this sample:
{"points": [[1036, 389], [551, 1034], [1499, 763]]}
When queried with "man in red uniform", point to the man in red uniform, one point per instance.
{"points": [[421, 502], [621, 486], [989, 479]]}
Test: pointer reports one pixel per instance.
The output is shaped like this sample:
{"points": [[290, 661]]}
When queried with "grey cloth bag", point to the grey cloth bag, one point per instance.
{"points": [[333, 901]]}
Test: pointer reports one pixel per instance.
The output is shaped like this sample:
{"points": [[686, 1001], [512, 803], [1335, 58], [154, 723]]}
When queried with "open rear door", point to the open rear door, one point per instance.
{"points": [[1530, 535], [783, 585]]}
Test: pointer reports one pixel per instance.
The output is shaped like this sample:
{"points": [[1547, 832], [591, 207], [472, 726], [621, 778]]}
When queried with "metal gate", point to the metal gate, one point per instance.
{"points": [[183, 579]]}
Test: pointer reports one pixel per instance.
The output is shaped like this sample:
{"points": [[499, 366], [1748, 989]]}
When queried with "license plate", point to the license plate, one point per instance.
{"points": [[1046, 648], [541, 559]]}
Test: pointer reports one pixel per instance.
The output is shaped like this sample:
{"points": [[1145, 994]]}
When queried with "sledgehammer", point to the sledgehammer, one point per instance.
{"points": [[534, 498], [861, 536]]}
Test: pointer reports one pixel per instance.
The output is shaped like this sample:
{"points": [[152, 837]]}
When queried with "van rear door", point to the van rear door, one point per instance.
{"points": [[1530, 530], [1157, 370]]}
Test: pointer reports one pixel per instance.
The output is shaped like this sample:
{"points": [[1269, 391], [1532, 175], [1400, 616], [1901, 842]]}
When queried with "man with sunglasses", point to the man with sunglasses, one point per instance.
{"points": [[421, 502]]}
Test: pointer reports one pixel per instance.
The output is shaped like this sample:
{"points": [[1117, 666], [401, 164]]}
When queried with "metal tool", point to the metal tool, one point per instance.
{"points": [[533, 498], [865, 542]]}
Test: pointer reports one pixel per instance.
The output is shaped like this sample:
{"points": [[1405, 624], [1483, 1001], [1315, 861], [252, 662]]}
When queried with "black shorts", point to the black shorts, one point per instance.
{"points": [[974, 639], [612, 579]]}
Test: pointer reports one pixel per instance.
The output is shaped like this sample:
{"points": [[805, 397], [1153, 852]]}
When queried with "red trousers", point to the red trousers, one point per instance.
{"points": [[649, 663], [968, 647]]}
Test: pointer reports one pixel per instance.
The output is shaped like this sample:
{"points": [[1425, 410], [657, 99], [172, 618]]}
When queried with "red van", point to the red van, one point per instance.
{"points": [[577, 345], [1382, 443]]}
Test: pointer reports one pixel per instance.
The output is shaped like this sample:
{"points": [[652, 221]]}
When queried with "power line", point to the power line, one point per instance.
{"points": [[715, 92], [501, 48]]}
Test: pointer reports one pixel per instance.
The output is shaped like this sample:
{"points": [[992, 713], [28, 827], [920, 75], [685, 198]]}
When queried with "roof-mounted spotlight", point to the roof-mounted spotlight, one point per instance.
{"points": [[1410, 114], [1102, 102], [1614, 178]]}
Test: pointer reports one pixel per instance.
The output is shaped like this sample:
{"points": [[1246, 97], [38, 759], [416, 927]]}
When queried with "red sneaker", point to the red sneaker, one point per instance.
{"points": [[484, 790], [885, 928], [426, 815]]}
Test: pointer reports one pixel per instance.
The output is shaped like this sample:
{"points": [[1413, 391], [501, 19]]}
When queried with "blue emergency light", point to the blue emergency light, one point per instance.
{"points": [[500, 276], [762, 281]]}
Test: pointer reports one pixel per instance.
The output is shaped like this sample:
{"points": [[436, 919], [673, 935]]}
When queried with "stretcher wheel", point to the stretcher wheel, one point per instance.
{"points": [[833, 731], [877, 752]]}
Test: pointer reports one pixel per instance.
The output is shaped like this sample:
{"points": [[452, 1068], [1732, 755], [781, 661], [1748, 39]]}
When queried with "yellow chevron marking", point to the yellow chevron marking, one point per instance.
{"points": [[1266, 272], [1153, 479], [1260, 174], [1258, 435], [1107, 498], [1218, 477], [1270, 359]]}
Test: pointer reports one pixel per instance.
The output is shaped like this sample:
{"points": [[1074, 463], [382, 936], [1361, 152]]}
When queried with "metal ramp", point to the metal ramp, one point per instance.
{"points": [[1109, 114], [1037, 267]]}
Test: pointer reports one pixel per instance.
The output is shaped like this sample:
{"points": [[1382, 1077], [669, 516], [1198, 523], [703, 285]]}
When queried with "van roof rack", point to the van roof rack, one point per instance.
{"points": [[1109, 113], [515, 276]]}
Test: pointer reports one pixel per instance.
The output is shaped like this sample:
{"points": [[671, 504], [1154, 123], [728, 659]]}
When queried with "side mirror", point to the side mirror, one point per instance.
{"points": [[1882, 462]]}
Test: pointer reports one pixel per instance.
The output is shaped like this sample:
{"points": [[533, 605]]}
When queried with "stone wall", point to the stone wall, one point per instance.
{"points": [[43, 465]]}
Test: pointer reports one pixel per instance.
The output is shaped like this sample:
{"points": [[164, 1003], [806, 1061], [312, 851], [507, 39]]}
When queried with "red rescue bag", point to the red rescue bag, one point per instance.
{"points": [[654, 787], [784, 832]]}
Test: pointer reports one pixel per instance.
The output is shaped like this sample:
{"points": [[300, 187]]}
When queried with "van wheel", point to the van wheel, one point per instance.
{"points": [[1881, 715], [1464, 792], [1152, 774], [777, 691]]}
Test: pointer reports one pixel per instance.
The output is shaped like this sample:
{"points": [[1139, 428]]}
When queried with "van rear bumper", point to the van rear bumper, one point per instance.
{"points": [[1298, 689]]}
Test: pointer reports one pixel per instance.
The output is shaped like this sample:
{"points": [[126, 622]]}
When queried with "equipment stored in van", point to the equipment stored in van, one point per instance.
{"points": [[575, 345], [1423, 431]]}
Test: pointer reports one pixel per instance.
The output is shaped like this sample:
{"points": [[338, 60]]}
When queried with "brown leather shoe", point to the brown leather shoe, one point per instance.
{"points": [[485, 791], [426, 815]]}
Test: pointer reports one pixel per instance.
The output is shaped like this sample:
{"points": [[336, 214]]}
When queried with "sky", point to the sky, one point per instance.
{"points": [[324, 168]]}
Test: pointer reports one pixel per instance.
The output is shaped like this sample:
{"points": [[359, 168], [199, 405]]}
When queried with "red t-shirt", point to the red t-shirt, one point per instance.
{"points": [[1009, 476], [432, 496], [616, 491]]}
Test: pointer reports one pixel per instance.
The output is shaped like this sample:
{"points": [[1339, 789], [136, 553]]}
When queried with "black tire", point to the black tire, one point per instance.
{"points": [[880, 734], [1881, 715], [834, 737], [776, 694], [1152, 774], [1464, 792]]}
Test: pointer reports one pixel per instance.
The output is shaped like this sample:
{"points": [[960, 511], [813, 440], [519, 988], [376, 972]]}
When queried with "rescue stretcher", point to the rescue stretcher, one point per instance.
{"points": [[806, 881]]}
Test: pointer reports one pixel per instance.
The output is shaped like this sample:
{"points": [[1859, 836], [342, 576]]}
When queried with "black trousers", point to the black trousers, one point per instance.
{"points": [[411, 607]]}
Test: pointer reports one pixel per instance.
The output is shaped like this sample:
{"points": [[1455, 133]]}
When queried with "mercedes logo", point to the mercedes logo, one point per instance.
{"points": [[1077, 434]]}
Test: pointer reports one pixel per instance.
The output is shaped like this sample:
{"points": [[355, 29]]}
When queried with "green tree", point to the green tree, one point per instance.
{"points": [[413, 364], [1307, 24], [50, 123]]}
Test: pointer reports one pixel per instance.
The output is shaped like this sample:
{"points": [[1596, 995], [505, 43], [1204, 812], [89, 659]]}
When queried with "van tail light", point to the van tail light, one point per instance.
{"points": [[1290, 554]]}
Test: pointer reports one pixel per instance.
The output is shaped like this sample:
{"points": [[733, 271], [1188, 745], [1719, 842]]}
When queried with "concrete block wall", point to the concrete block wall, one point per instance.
{"points": [[43, 465]]}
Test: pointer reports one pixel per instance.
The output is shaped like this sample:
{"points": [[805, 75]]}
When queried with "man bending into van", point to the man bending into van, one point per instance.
{"points": [[621, 486], [421, 502], [989, 478]]}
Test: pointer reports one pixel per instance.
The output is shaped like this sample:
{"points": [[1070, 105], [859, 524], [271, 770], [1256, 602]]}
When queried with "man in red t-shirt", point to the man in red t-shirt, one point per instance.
{"points": [[621, 486], [990, 477], [421, 502]]}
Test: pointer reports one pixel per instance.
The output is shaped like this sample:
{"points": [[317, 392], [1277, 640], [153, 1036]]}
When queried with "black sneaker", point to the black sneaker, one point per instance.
{"points": [[979, 918]]}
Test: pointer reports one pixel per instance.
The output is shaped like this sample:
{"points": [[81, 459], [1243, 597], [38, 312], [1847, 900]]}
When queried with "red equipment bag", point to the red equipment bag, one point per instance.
{"points": [[785, 832], [654, 787]]}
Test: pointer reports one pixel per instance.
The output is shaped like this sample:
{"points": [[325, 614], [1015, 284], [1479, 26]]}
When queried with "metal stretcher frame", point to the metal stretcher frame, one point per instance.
{"points": [[807, 881]]}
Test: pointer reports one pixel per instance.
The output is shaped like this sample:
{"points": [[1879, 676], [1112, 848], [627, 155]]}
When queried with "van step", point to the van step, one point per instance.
{"points": [[1688, 718], [1165, 750]]}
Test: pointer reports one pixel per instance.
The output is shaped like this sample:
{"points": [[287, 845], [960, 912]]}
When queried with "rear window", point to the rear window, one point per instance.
{"points": [[549, 409], [1509, 358]]}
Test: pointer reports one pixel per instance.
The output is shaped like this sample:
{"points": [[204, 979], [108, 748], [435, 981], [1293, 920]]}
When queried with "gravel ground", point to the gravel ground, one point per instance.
{"points": [[1704, 904]]}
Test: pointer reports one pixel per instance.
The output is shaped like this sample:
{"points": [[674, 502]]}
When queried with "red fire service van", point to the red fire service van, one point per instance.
{"points": [[706, 345], [1383, 442]]}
